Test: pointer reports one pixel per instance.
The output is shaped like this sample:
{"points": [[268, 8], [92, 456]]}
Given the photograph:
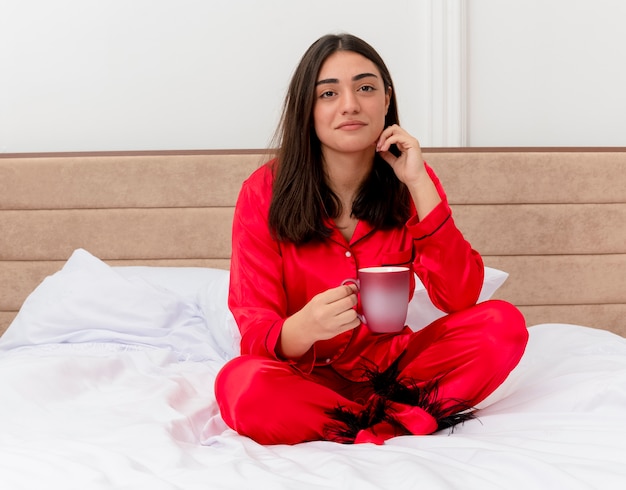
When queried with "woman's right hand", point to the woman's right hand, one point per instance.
{"points": [[325, 316]]}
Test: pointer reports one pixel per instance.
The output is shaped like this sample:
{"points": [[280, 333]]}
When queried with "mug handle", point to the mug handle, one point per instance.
{"points": [[357, 283], [352, 281]]}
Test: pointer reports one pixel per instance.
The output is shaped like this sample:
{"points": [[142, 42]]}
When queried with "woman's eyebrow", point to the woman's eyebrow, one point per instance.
{"points": [[355, 78]]}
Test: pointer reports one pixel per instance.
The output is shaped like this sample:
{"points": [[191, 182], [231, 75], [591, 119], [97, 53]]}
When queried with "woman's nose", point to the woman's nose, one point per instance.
{"points": [[349, 103]]}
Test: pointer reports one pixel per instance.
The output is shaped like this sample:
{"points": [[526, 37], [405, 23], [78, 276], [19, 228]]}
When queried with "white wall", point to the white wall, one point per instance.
{"points": [[206, 74], [546, 73], [176, 74]]}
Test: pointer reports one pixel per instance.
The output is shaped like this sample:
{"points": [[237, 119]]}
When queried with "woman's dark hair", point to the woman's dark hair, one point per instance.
{"points": [[301, 199]]}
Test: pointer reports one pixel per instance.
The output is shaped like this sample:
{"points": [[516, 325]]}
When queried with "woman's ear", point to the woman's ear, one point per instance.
{"points": [[387, 99]]}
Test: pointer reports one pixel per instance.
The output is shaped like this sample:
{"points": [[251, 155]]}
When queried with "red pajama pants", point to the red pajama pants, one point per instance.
{"points": [[470, 353]]}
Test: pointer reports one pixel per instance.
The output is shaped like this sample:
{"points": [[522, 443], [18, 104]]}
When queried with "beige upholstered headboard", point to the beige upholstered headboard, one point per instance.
{"points": [[554, 219]]}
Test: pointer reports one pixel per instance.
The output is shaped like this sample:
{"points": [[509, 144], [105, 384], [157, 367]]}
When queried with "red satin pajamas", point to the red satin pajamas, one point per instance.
{"points": [[464, 356]]}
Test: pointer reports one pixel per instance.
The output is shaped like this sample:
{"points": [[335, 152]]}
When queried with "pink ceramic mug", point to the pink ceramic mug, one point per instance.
{"points": [[384, 295]]}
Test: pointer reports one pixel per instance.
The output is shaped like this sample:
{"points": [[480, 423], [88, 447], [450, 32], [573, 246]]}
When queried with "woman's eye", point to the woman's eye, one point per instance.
{"points": [[327, 94], [367, 88]]}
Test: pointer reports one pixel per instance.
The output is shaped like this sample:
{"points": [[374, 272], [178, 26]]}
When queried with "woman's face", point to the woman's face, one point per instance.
{"points": [[351, 104]]}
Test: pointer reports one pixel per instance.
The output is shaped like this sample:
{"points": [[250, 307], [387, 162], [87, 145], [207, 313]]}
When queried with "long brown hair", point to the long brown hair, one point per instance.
{"points": [[301, 198]]}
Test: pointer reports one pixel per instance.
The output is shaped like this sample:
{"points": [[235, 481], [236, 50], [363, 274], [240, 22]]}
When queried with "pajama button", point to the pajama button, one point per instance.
{"points": [[328, 361], [348, 254]]}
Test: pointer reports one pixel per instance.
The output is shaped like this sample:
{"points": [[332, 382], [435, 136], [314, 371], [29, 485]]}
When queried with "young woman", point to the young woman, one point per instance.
{"points": [[349, 189]]}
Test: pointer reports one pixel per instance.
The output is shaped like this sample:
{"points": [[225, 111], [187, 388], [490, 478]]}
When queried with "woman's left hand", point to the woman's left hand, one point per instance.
{"points": [[409, 166]]}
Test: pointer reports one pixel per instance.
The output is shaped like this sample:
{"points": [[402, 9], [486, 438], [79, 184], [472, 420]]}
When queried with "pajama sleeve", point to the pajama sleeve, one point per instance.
{"points": [[451, 270], [256, 296]]}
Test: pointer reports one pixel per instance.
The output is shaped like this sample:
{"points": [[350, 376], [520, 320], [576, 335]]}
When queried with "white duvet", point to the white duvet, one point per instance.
{"points": [[98, 391]]}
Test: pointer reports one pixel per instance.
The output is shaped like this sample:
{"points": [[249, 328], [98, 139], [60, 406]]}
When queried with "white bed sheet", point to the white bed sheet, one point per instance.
{"points": [[96, 416], [81, 409]]}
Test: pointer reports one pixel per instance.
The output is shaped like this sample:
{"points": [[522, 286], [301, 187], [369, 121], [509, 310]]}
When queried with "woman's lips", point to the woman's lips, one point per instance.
{"points": [[351, 125]]}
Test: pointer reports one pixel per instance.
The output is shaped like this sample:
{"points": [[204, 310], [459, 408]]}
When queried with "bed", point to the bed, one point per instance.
{"points": [[113, 287]]}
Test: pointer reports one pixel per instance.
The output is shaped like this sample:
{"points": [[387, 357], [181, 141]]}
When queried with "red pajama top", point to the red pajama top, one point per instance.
{"points": [[271, 280]]}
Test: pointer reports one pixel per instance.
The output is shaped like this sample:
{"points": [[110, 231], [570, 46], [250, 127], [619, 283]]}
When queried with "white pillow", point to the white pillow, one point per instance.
{"points": [[88, 301], [422, 312], [184, 281], [204, 286], [212, 299]]}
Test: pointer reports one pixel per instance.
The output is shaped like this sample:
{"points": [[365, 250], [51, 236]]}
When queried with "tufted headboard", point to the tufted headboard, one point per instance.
{"points": [[554, 219]]}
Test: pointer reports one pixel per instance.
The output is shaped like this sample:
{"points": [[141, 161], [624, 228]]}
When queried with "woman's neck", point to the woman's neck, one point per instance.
{"points": [[346, 172]]}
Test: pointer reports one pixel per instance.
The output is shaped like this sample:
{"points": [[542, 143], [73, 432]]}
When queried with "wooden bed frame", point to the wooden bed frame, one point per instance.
{"points": [[554, 219]]}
